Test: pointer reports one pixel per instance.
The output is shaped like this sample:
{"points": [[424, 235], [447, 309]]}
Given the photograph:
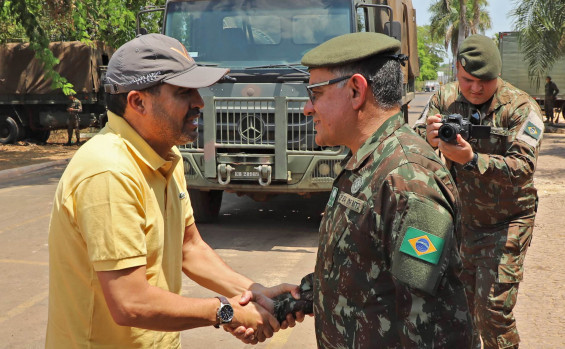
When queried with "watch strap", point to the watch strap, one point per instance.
{"points": [[223, 302], [472, 164]]}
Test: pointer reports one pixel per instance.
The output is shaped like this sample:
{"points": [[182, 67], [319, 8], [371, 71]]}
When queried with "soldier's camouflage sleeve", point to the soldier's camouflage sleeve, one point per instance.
{"points": [[420, 124], [523, 134]]}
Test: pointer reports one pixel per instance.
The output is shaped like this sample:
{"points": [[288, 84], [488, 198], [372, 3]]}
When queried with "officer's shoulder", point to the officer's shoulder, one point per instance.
{"points": [[517, 98], [413, 149]]}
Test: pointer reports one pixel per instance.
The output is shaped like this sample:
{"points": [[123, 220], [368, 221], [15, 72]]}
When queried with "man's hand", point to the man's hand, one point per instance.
{"points": [[262, 295], [259, 323], [433, 123], [460, 153]]}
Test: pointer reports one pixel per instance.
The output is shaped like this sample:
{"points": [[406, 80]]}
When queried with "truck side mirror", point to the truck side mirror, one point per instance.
{"points": [[393, 29]]}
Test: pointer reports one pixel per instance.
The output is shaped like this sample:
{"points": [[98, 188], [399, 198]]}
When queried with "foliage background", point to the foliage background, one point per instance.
{"points": [[42, 21]]}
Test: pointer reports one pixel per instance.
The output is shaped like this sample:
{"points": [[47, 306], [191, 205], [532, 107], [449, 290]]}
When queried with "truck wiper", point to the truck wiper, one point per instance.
{"points": [[284, 65]]}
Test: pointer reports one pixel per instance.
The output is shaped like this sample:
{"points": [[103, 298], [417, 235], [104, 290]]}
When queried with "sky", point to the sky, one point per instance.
{"points": [[498, 11]]}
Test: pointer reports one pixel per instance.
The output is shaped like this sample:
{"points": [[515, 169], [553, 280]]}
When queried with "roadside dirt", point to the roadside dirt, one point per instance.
{"points": [[24, 153]]}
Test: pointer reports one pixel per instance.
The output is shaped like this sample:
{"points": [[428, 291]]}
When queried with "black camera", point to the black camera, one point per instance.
{"points": [[455, 124]]}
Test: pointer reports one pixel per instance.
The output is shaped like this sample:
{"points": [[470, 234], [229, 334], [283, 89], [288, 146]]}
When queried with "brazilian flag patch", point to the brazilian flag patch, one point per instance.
{"points": [[422, 245], [532, 130]]}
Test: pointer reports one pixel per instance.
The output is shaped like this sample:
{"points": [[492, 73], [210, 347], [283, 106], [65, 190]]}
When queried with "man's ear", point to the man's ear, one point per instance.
{"points": [[359, 88], [137, 102]]}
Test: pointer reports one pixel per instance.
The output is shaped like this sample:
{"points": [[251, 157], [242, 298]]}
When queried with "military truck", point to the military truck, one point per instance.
{"points": [[515, 70], [253, 138], [29, 107]]}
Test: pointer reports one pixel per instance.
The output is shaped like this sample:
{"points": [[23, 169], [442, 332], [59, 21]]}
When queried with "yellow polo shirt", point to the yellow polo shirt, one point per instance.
{"points": [[118, 205]]}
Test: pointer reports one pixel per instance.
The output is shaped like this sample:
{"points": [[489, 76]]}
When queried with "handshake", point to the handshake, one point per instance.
{"points": [[285, 303], [283, 307]]}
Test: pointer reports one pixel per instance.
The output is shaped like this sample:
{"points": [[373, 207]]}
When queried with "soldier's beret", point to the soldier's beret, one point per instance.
{"points": [[480, 57], [349, 48]]}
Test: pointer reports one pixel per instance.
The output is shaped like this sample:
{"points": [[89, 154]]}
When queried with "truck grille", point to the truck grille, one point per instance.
{"points": [[250, 124]]}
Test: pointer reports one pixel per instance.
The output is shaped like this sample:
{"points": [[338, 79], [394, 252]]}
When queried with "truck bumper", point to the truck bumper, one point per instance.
{"points": [[305, 174]]}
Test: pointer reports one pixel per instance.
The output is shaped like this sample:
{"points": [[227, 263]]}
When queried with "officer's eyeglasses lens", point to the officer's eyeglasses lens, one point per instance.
{"points": [[324, 83]]}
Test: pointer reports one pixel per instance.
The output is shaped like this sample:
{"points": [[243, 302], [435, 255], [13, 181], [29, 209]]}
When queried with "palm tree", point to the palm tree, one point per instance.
{"points": [[454, 20], [542, 34]]}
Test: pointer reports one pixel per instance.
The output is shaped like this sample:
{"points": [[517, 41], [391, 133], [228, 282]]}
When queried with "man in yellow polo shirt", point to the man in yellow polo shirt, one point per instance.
{"points": [[122, 230]]}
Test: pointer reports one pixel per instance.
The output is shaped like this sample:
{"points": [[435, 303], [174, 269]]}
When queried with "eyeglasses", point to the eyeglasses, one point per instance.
{"points": [[324, 83]]}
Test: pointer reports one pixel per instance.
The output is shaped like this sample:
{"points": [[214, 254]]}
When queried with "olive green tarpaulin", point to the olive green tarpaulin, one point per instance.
{"points": [[21, 73]]}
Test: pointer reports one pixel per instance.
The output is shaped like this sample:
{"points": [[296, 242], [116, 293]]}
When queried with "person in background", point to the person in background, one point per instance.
{"points": [[551, 92], [495, 178], [74, 108]]}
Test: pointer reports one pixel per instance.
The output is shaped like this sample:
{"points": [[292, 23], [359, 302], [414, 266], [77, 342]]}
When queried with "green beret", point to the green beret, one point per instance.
{"points": [[349, 48], [480, 57]]}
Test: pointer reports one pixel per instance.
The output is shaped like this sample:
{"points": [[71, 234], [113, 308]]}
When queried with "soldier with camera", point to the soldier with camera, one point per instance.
{"points": [[490, 134]]}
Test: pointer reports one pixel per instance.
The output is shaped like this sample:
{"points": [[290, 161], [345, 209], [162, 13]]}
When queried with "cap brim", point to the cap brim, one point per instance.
{"points": [[198, 77]]}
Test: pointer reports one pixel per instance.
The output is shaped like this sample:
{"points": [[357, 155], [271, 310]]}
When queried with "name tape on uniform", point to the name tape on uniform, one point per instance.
{"points": [[351, 202]]}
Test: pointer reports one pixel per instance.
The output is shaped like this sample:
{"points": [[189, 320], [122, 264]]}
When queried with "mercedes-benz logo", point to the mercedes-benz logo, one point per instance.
{"points": [[251, 127]]}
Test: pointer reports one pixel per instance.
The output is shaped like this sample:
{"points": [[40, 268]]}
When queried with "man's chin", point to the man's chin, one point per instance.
{"points": [[189, 137]]}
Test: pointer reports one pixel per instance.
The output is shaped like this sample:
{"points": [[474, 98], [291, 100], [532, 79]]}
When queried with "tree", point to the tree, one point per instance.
{"points": [[542, 34], [430, 53], [449, 18], [39, 22]]}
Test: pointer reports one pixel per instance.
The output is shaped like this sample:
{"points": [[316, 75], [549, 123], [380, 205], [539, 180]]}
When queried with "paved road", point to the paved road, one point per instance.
{"points": [[270, 242]]}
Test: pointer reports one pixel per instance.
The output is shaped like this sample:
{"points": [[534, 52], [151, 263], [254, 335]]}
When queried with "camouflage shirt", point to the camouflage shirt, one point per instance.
{"points": [[501, 189], [387, 264], [77, 105]]}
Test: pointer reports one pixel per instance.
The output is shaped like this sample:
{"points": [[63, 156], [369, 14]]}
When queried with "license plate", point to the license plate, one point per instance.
{"points": [[246, 174]]}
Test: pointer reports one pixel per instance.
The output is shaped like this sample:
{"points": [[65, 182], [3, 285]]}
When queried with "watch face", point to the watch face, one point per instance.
{"points": [[226, 313]]}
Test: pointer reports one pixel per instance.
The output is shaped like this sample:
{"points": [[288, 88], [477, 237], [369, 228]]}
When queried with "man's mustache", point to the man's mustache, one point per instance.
{"points": [[193, 112]]}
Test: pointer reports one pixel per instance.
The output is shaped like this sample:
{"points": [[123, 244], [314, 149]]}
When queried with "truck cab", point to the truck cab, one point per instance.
{"points": [[253, 138]]}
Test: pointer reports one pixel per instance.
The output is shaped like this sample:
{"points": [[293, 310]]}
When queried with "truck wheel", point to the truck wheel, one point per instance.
{"points": [[206, 204], [9, 130]]}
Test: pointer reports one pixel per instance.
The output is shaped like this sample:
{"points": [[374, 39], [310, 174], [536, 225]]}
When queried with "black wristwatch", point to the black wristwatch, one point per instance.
{"points": [[471, 165], [224, 315]]}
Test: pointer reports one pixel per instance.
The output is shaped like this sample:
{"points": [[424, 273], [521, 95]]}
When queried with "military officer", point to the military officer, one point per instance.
{"points": [[495, 180], [387, 264]]}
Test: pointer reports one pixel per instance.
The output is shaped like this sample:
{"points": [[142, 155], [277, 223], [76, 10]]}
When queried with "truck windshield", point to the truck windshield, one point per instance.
{"points": [[250, 33]]}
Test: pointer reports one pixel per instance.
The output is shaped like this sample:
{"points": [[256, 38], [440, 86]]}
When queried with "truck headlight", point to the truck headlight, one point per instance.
{"points": [[337, 168], [324, 169]]}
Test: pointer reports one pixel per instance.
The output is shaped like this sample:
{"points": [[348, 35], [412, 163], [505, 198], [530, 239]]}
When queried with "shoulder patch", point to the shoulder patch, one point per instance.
{"points": [[332, 197], [421, 245], [532, 130]]}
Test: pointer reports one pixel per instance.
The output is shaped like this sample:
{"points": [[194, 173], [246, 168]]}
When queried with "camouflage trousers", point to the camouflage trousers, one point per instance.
{"points": [[73, 124], [548, 107], [493, 266]]}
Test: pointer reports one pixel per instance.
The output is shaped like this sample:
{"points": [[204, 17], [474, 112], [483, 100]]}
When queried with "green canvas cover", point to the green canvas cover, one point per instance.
{"points": [[21, 73]]}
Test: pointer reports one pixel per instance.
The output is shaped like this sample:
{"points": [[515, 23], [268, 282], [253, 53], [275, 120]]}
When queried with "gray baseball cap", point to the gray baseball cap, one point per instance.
{"points": [[155, 58]]}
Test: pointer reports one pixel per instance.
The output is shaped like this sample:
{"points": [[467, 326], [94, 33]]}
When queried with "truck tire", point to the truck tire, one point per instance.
{"points": [[206, 204], [9, 130]]}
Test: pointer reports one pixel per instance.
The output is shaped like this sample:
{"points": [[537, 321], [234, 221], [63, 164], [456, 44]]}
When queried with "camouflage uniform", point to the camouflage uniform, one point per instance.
{"points": [[551, 92], [73, 120], [394, 186], [499, 203]]}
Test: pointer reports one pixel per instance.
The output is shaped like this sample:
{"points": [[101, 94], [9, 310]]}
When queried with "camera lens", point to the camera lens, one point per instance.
{"points": [[447, 133]]}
